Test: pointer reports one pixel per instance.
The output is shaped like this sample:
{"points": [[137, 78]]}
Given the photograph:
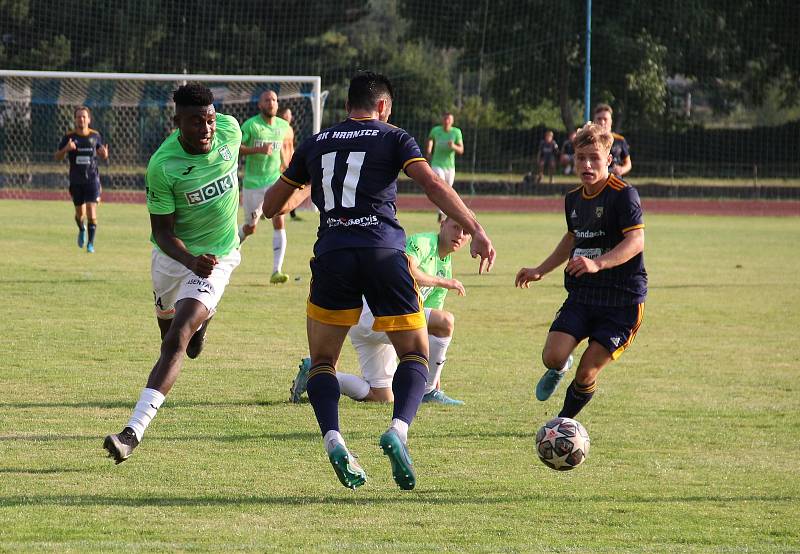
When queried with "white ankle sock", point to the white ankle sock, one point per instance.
{"points": [[331, 439], [352, 385], [150, 401], [278, 249], [402, 429], [438, 351]]}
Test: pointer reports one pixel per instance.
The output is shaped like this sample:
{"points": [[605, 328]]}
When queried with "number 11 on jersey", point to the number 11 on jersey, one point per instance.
{"points": [[350, 183]]}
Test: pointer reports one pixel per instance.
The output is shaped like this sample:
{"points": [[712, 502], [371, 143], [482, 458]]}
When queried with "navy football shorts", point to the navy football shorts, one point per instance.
{"points": [[614, 327], [340, 278], [83, 193]]}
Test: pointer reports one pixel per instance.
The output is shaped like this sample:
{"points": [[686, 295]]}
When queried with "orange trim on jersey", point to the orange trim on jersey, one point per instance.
{"points": [[633, 228], [77, 134], [616, 182], [363, 118], [617, 136], [291, 183], [412, 161], [409, 322], [346, 318], [618, 352], [596, 194]]}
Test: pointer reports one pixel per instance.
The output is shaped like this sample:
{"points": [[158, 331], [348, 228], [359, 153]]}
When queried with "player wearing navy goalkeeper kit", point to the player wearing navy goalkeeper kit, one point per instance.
{"points": [[82, 146], [360, 251], [605, 276]]}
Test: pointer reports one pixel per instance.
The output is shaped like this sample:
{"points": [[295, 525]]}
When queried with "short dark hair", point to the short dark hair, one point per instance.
{"points": [[602, 108], [82, 109], [193, 94], [366, 88]]}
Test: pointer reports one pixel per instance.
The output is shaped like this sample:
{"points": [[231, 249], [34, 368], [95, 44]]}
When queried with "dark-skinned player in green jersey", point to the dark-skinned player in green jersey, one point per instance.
{"points": [[193, 200]]}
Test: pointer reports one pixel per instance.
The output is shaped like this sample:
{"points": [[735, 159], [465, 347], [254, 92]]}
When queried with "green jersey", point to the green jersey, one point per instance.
{"points": [[202, 190], [424, 248], [261, 170], [443, 155]]}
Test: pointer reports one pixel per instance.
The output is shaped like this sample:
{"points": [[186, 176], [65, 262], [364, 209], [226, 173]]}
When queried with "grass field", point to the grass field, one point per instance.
{"points": [[695, 430]]}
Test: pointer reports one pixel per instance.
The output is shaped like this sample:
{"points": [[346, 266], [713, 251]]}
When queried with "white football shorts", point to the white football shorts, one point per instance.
{"points": [[449, 175], [252, 202], [173, 281], [376, 356]]}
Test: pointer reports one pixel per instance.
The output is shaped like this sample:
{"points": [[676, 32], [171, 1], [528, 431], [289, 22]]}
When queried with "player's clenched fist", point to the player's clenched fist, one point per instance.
{"points": [[203, 265]]}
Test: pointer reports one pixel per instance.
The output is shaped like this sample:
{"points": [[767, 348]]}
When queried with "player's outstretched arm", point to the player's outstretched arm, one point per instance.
{"points": [[560, 254], [163, 232], [283, 197], [447, 200]]}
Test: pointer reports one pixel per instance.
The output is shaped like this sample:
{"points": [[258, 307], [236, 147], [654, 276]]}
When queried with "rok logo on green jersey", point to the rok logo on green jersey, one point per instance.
{"points": [[213, 190], [225, 153]]}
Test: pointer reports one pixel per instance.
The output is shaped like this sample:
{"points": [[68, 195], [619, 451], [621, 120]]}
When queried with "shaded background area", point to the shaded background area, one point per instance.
{"points": [[705, 91]]}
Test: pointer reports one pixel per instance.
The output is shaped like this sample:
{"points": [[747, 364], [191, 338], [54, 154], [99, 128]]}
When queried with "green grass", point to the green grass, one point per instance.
{"points": [[559, 178], [694, 430]]}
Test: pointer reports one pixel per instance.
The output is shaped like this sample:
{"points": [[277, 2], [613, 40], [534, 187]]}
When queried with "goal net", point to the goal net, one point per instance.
{"points": [[133, 113]]}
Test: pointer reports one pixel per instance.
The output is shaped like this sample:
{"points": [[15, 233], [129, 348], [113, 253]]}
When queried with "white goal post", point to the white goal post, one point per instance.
{"points": [[133, 112]]}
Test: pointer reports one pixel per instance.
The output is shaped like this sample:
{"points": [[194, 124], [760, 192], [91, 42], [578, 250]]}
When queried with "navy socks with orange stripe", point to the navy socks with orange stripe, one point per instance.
{"points": [[576, 398], [323, 393], [408, 385], [92, 230]]}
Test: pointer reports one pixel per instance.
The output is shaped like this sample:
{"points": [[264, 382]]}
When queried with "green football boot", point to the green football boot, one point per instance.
{"points": [[347, 468], [402, 466]]}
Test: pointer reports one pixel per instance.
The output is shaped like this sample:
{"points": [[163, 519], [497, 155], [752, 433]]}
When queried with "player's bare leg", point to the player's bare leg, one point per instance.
{"points": [[582, 388], [325, 345], [557, 358], [189, 315]]}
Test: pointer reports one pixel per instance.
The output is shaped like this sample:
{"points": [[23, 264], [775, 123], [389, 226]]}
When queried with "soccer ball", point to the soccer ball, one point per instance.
{"points": [[562, 443]]}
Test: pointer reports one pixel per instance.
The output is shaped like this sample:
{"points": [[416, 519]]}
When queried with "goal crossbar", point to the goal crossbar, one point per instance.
{"points": [[314, 81]]}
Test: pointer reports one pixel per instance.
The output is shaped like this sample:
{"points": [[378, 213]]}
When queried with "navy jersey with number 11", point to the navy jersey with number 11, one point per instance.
{"points": [[353, 168]]}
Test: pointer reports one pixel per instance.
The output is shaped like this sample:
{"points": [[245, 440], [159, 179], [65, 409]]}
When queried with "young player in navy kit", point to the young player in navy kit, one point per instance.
{"points": [[82, 146], [621, 163], [360, 251], [605, 276]]}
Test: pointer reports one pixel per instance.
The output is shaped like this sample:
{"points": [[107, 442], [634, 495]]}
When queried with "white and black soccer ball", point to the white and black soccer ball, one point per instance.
{"points": [[562, 443]]}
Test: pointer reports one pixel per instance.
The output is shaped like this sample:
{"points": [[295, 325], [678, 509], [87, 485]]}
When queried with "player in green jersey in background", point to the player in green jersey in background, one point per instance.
{"points": [[268, 144], [193, 200], [444, 142], [432, 267]]}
